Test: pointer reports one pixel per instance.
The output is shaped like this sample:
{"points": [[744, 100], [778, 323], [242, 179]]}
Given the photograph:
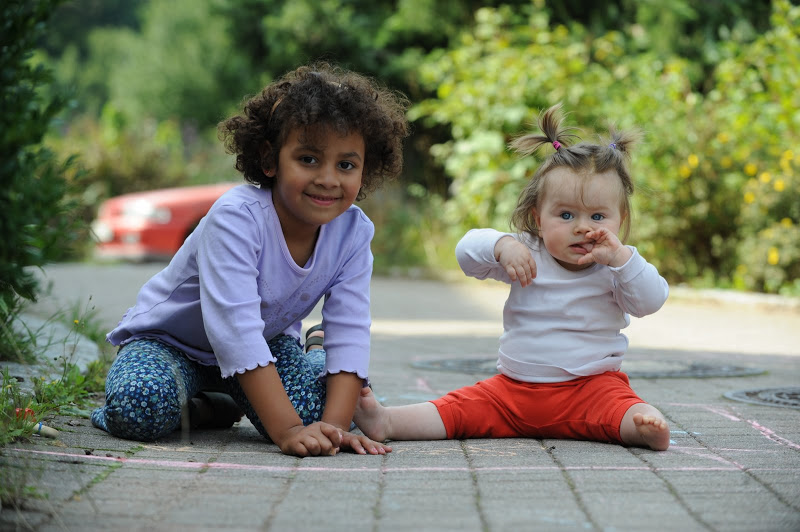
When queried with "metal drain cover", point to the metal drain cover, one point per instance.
{"points": [[643, 369], [785, 397]]}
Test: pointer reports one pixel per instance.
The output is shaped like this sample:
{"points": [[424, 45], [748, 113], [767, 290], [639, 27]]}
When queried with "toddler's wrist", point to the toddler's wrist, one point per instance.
{"points": [[621, 257]]}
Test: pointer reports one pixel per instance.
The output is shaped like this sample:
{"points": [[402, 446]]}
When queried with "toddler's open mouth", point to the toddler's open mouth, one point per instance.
{"points": [[582, 247]]}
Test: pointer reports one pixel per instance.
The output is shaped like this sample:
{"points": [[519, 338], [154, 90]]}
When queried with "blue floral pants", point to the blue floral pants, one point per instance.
{"points": [[151, 383]]}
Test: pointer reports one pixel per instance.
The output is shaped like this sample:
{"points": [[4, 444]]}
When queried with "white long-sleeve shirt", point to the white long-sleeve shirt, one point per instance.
{"points": [[565, 324]]}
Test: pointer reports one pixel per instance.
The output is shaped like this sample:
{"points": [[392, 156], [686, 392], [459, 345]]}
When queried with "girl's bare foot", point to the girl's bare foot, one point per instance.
{"points": [[370, 416], [653, 431]]}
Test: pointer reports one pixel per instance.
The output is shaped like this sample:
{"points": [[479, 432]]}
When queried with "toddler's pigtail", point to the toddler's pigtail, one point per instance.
{"points": [[622, 141], [615, 154], [550, 122]]}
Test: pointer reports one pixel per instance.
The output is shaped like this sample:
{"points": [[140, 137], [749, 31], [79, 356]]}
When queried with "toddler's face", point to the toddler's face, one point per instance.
{"points": [[574, 204], [318, 178]]}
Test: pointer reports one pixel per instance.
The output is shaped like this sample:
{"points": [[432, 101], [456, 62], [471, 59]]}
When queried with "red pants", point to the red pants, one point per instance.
{"points": [[587, 408]]}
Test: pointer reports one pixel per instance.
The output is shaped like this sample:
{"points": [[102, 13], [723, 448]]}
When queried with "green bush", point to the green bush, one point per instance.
{"points": [[35, 218], [717, 198]]}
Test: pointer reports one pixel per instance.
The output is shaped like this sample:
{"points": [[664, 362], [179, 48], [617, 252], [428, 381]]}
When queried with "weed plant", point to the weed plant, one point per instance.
{"points": [[72, 393]]}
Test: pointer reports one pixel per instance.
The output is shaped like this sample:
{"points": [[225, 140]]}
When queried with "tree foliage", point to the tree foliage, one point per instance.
{"points": [[718, 197], [712, 83], [35, 218]]}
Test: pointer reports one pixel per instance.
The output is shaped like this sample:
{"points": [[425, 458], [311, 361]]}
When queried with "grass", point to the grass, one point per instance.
{"points": [[73, 392]]}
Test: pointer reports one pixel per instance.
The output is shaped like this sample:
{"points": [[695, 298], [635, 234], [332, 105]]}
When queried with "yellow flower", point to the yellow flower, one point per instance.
{"points": [[765, 177], [75, 322], [788, 155], [750, 169], [723, 137], [726, 162], [749, 197], [693, 161], [786, 222], [684, 171], [779, 185], [773, 256]]}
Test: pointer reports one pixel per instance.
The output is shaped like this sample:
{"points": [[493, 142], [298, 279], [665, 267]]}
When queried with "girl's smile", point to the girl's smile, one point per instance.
{"points": [[318, 178]]}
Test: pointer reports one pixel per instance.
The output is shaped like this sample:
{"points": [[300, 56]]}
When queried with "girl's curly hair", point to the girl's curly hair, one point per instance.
{"points": [[583, 158], [314, 96]]}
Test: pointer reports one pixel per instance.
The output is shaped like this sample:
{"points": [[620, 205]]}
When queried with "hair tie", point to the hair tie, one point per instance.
{"points": [[556, 145], [613, 146]]}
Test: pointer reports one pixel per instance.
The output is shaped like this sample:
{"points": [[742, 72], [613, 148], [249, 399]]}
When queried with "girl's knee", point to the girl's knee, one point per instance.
{"points": [[140, 412]]}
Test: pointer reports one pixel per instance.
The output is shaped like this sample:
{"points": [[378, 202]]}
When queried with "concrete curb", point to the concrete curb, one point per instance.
{"points": [[56, 344]]}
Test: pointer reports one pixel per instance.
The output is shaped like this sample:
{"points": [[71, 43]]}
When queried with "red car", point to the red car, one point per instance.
{"points": [[152, 225]]}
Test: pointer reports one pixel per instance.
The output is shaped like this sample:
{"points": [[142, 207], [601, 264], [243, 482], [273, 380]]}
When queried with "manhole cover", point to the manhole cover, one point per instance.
{"points": [[785, 397], [643, 369]]}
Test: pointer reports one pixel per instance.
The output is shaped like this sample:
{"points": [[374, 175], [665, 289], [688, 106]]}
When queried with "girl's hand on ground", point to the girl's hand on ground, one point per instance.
{"points": [[360, 444], [517, 260], [317, 439], [607, 249]]}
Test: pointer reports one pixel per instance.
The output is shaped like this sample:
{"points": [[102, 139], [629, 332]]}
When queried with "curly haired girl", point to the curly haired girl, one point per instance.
{"points": [[225, 314]]}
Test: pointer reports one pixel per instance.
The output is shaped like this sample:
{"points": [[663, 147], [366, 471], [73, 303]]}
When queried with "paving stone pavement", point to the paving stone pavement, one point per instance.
{"points": [[731, 466]]}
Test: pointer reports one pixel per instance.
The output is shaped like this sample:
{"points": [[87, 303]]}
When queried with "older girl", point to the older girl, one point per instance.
{"points": [[225, 315]]}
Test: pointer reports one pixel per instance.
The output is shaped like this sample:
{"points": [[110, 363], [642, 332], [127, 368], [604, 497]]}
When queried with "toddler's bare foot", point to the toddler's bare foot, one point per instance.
{"points": [[370, 416], [653, 430]]}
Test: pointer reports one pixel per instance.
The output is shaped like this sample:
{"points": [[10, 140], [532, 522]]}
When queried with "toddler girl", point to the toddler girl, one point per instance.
{"points": [[225, 314], [573, 286]]}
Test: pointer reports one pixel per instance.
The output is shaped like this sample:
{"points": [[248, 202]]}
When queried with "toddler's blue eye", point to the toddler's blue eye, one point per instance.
{"points": [[597, 217], [566, 216]]}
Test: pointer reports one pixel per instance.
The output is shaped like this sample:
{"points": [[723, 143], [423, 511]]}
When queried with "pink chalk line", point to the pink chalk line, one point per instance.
{"points": [[770, 435], [766, 432], [295, 469], [711, 408]]}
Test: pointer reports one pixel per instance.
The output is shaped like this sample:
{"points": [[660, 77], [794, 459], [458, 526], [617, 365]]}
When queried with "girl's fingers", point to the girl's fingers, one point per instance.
{"points": [[383, 448], [332, 433], [357, 447]]}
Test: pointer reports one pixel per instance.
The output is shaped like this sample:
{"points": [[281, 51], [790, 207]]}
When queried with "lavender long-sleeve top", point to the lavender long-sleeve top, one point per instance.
{"points": [[234, 285]]}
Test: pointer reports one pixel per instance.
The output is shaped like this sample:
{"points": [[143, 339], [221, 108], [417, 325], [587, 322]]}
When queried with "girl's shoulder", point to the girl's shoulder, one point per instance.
{"points": [[351, 221], [244, 193]]}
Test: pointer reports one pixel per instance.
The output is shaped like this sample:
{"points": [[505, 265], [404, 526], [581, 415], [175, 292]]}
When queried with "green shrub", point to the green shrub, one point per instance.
{"points": [[35, 214], [717, 196]]}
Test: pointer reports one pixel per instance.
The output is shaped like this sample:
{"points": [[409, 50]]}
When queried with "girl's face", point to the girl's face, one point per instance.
{"points": [[318, 178], [571, 206]]}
